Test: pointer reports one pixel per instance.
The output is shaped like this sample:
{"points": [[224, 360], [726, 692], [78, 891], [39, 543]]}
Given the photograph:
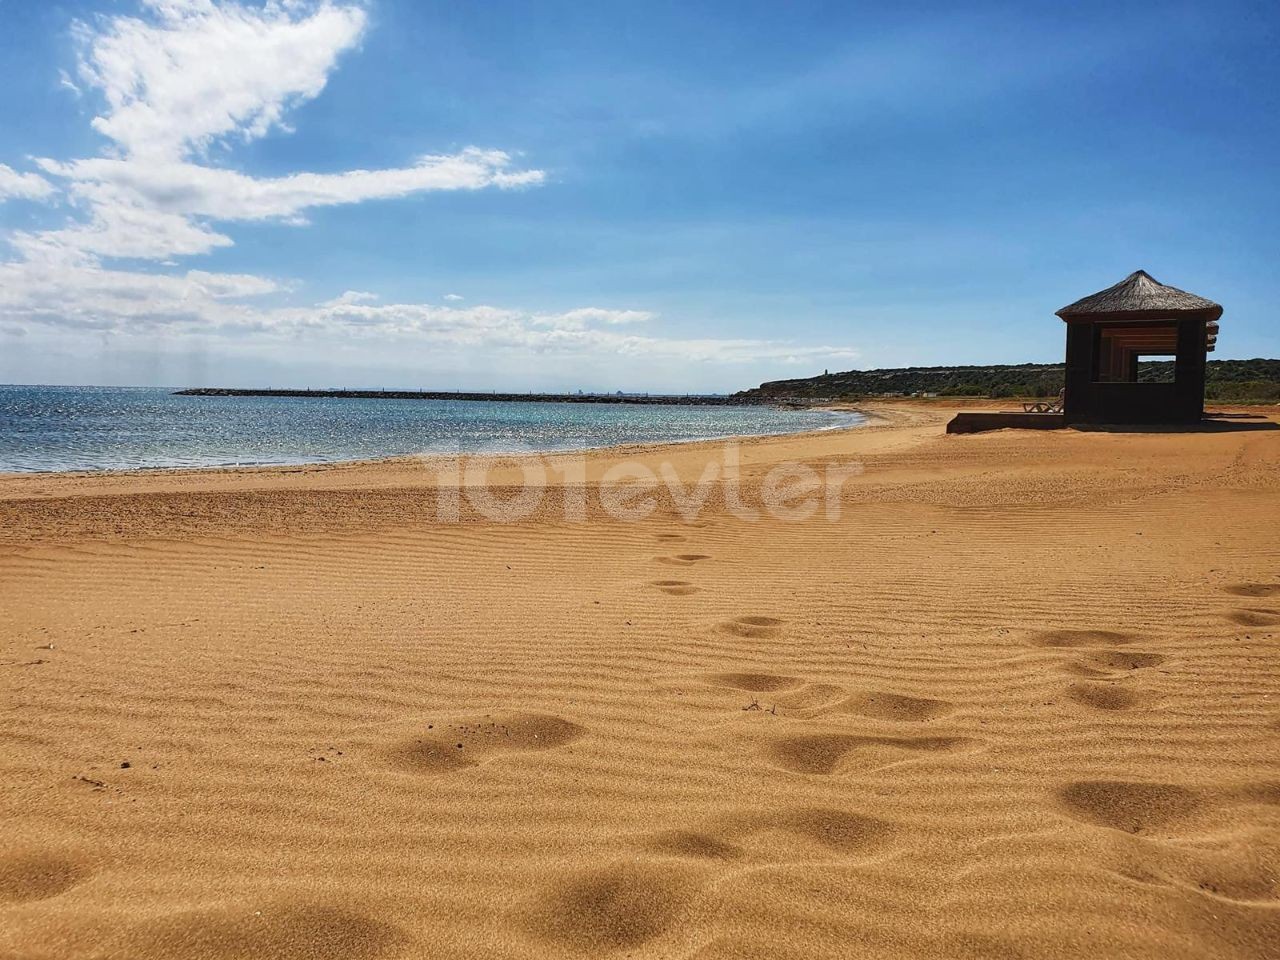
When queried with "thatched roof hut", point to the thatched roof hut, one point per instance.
{"points": [[1111, 332], [1141, 296], [1109, 335]]}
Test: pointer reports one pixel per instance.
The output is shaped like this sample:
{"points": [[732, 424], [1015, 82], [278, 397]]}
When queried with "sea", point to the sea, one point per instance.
{"points": [[45, 428]]}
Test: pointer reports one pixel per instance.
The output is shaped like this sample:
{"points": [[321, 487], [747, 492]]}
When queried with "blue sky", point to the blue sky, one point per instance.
{"points": [[639, 196]]}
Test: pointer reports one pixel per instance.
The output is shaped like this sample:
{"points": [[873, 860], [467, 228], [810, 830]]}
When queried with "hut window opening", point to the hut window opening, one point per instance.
{"points": [[1120, 353]]}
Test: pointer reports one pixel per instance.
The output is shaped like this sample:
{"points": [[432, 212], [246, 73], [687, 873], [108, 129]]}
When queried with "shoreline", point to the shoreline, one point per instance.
{"points": [[875, 414], [428, 456]]}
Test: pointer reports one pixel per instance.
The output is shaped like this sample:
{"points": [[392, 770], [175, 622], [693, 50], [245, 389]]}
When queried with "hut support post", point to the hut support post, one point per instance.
{"points": [[1189, 368], [1080, 352]]}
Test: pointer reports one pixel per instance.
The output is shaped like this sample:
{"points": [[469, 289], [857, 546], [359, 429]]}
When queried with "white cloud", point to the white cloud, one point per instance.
{"points": [[59, 297], [23, 186], [65, 83], [193, 190], [454, 297], [186, 74], [122, 230], [195, 70], [583, 316], [349, 297]]}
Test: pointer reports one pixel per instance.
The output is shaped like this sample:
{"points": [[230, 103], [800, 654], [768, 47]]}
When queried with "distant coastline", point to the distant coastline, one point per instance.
{"points": [[686, 400]]}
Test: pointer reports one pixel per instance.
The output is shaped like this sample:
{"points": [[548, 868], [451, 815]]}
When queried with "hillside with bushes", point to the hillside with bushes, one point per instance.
{"points": [[1240, 381]]}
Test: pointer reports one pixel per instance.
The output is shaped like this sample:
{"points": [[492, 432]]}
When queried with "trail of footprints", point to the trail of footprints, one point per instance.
{"points": [[1177, 837], [1104, 670], [450, 747], [629, 903], [1254, 616]]}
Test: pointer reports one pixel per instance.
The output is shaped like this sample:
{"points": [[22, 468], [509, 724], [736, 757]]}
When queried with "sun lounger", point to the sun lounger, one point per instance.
{"points": [[1046, 406]]}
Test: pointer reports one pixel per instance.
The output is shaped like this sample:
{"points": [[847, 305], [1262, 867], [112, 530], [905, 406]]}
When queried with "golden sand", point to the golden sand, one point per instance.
{"points": [[1020, 699]]}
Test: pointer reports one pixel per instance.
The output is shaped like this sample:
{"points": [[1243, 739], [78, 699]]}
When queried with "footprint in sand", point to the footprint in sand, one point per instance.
{"points": [[25, 877], [793, 693], [753, 626], [1130, 806], [448, 747], [829, 753], [626, 905], [694, 845], [288, 931], [1081, 638], [1257, 590], [674, 588], [1165, 819], [777, 836], [1112, 663], [1259, 617], [1264, 793], [613, 908], [894, 706], [1103, 696], [1242, 867], [1099, 664], [755, 682], [683, 559], [811, 698]]}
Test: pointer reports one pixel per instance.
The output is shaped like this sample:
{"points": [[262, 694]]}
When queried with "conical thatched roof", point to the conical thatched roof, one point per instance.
{"points": [[1141, 296]]}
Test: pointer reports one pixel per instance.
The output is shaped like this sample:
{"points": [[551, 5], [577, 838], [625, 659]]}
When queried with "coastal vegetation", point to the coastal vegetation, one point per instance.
{"points": [[1236, 381]]}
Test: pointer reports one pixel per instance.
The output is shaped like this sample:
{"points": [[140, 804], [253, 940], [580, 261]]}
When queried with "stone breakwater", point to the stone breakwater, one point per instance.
{"points": [[693, 400]]}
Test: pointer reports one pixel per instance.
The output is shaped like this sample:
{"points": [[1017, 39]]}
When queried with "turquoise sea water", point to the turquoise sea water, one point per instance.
{"points": [[115, 428]]}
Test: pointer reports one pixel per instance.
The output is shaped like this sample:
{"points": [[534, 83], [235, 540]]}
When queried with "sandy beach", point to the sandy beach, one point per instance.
{"points": [[1006, 695]]}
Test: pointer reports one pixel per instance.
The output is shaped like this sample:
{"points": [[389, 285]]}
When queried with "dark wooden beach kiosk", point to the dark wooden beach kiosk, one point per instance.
{"points": [[1108, 334]]}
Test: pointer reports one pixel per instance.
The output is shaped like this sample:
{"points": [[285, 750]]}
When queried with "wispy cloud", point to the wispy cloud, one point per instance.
{"points": [[23, 186], [157, 209], [65, 82], [128, 304]]}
